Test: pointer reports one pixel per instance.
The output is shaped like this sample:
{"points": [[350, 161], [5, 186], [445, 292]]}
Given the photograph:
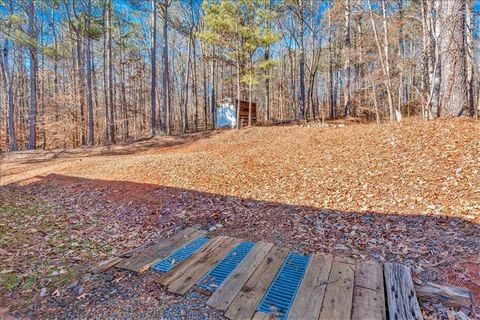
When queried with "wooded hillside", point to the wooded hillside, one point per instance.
{"points": [[91, 72]]}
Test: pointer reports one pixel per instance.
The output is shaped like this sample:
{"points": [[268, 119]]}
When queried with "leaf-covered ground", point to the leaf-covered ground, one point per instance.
{"points": [[405, 192]]}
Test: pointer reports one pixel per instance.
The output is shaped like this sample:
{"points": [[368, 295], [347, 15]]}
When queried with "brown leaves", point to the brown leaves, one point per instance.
{"points": [[404, 192]]}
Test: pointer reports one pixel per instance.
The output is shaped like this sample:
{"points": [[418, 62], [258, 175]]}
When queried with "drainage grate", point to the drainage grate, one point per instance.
{"points": [[215, 277], [279, 297], [179, 255]]}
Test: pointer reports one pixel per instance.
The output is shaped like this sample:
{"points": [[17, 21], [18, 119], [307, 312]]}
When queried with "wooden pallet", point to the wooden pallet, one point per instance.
{"points": [[332, 287]]}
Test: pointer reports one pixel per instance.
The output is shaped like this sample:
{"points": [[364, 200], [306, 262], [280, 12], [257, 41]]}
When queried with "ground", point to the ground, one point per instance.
{"points": [[407, 192]]}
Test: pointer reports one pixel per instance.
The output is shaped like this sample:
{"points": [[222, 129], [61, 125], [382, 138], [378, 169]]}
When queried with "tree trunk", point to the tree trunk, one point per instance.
{"points": [[469, 55], [153, 64], [347, 60], [165, 77], [205, 90], [384, 56], [187, 76], [330, 68], [238, 92], [8, 75], [195, 91], [302, 61], [436, 76], [91, 131], [453, 91], [212, 95], [32, 139], [250, 80], [105, 76], [110, 75]]}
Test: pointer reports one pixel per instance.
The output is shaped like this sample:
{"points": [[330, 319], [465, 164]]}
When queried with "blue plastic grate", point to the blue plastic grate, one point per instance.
{"points": [[215, 277], [179, 255], [279, 297]]}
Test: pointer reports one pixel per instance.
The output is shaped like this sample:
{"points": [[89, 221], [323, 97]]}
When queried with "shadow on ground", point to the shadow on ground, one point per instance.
{"points": [[125, 214]]}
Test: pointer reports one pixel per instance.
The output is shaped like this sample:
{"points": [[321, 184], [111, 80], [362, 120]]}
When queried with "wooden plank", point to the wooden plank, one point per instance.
{"points": [[344, 259], [225, 294], [368, 292], [142, 261], [308, 302], [105, 265], [136, 250], [246, 301], [265, 316], [401, 297], [171, 276], [201, 266], [449, 295], [337, 303]]}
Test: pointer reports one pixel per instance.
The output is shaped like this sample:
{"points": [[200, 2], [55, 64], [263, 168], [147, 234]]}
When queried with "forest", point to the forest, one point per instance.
{"points": [[99, 72], [347, 185]]}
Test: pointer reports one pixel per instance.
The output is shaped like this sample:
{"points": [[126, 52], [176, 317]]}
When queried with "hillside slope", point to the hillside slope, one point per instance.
{"points": [[410, 168], [405, 192]]}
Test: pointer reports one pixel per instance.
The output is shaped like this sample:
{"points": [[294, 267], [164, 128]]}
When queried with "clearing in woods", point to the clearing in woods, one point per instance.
{"points": [[406, 193]]}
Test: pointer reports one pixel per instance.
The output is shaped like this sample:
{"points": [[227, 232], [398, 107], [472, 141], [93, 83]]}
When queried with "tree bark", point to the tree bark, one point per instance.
{"points": [[165, 76], [238, 92], [187, 76], [213, 93], [110, 75], [383, 56], [453, 91], [105, 75], [91, 131], [32, 140], [469, 56], [330, 68], [250, 80], [347, 60], [8, 75], [153, 65], [302, 60]]}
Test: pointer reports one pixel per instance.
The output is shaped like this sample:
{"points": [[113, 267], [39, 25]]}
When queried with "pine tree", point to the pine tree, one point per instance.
{"points": [[239, 28]]}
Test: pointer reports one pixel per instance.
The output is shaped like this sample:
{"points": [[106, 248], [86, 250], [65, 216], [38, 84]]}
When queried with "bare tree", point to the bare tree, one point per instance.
{"points": [[153, 66], [91, 131], [469, 55], [347, 59], [383, 55], [8, 76], [165, 76], [111, 122]]}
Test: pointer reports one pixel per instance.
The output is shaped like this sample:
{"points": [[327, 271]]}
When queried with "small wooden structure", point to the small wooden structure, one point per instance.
{"points": [[226, 113]]}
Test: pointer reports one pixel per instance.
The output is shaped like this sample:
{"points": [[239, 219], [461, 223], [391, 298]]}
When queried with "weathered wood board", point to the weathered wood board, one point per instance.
{"points": [[143, 260], [368, 293], [337, 303], [105, 265], [171, 276], [449, 295], [344, 259], [401, 297], [264, 316], [201, 266], [308, 302], [225, 294], [246, 301]]}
